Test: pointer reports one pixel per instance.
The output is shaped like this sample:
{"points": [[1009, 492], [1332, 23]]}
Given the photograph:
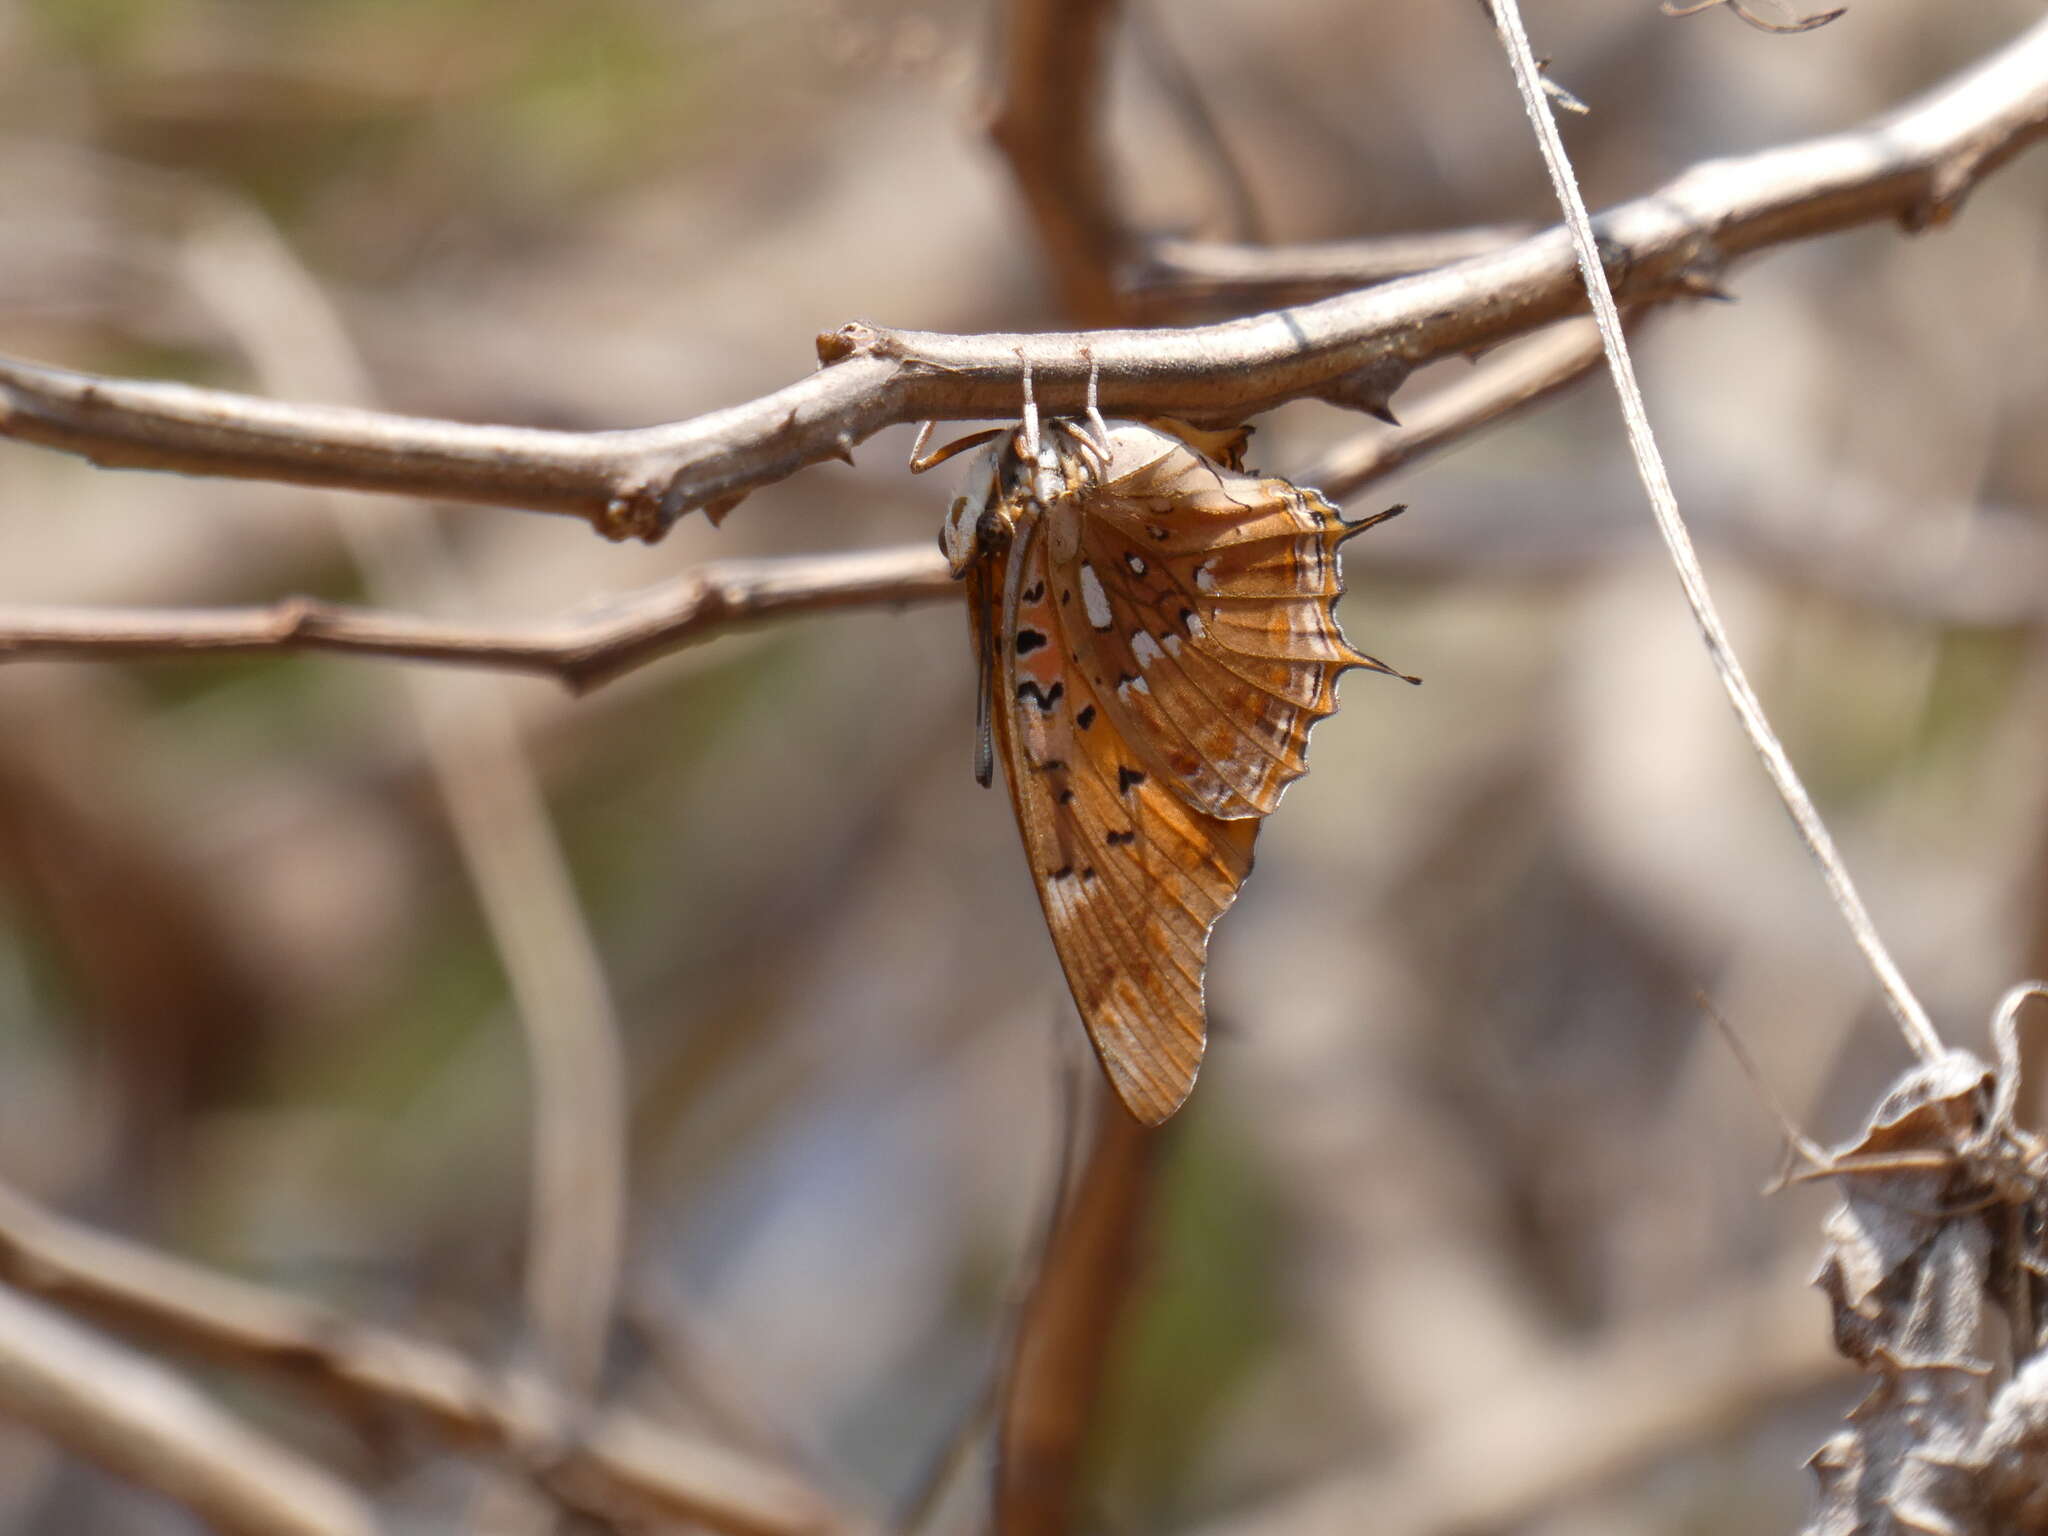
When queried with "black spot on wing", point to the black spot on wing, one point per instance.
{"points": [[1037, 591], [1029, 640], [1044, 698], [1121, 839], [1127, 779], [1086, 718]]}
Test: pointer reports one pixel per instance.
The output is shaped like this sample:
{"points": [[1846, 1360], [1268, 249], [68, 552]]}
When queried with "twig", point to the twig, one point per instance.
{"points": [[584, 649], [1048, 127], [1173, 273], [1913, 165], [144, 1424], [599, 1461], [1913, 1021], [1500, 388], [1067, 1326]]}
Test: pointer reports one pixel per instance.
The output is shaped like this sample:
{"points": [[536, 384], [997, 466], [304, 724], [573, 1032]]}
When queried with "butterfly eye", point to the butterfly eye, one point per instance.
{"points": [[991, 532]]}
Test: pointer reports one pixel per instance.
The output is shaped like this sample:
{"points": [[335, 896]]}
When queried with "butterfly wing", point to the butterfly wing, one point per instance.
{"points": [[1204, 616], [1131, 875]]}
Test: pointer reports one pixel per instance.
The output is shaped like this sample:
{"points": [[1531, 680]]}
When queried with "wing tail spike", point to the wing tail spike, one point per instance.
{"points": [[1352, 530], [1374, 664]]}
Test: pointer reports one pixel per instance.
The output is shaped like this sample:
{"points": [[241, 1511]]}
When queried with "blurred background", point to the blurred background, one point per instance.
{"points": [[1466, 1166]]}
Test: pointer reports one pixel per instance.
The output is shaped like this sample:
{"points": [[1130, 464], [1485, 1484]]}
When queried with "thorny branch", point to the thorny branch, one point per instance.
{"points": [[603, 1462], [1914, 165], [600, 642]]}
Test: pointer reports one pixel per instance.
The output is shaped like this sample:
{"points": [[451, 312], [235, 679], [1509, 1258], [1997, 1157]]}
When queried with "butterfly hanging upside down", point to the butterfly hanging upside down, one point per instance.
{"points": [[1156, 635]]}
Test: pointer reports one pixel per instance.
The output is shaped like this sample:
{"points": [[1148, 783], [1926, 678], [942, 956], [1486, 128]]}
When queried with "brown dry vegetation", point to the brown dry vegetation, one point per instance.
{"points": [[1461, 1230]]}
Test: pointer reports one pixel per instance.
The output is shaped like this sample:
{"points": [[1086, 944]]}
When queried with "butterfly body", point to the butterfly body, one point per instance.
{"points": [[1156, 635]]}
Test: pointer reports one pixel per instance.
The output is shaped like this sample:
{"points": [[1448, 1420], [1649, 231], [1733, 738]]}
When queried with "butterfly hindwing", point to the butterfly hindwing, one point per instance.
{"points": [[1131, 876], [1209, 618]]}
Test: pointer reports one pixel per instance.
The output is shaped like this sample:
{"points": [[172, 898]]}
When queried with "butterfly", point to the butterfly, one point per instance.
{"points": [[1155, 632]]}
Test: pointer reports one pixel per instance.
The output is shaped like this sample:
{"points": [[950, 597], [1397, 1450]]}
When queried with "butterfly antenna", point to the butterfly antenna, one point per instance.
{"points": [[918, 463]]}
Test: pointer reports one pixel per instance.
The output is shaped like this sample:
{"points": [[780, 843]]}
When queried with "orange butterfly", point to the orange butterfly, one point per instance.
{"points": [[1156, 636]]}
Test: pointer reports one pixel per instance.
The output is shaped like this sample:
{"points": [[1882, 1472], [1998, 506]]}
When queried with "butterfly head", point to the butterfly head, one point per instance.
{"points": [[1002, 483]]}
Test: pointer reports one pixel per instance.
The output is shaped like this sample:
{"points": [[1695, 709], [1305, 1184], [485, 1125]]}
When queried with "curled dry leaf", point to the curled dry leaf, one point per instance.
{"points": [[1932, 1270]]}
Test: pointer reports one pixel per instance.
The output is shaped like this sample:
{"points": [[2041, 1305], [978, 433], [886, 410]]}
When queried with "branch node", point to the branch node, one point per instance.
{"points": [[634, 512], [856, 338]]}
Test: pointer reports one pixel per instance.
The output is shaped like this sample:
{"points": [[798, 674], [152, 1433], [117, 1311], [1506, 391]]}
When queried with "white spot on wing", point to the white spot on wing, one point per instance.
{"points": [[1205, 576], [1137, 566], [1145, 648], [1196, 627], [1094, 599], [1172, 643], [1135, 685]]}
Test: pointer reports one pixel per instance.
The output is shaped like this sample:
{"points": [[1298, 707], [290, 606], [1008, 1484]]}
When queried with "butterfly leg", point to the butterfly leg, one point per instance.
{"points": [[1030, 411], [921, 461], [1095, 421]]}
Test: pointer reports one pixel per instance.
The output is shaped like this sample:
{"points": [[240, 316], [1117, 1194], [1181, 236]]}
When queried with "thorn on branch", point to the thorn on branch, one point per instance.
{"points": [[1370, 389]]}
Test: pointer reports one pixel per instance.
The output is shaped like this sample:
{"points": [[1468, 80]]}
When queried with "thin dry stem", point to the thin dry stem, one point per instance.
{"points": [[1500, 388], [1067, 1325], [142, 1423], [1913, 1021], [1174, 272], [600, 1461], [583, 649]]}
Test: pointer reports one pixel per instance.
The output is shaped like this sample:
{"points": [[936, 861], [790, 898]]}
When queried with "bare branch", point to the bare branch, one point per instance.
{"points": [[1912, 1018], [142, 1423], [1914, 165], [1068, 1323], [602, 1461], [584, 649], [1500, 388], [1048, 127], [1174, 273]]}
